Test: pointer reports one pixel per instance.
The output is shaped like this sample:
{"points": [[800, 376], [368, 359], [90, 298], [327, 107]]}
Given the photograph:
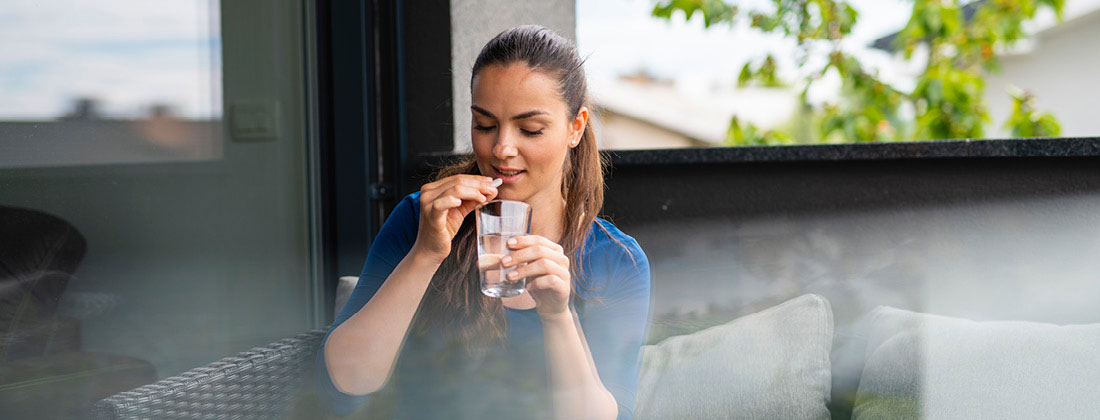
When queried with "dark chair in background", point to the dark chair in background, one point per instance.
{"points": [[43, 372], [38, 254]]}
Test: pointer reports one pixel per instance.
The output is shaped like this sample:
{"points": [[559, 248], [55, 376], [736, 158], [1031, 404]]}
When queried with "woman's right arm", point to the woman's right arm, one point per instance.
{"points": [[361, 352]]}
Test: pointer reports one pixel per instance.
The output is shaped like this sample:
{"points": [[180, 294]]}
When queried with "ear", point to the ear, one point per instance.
{"points": [[576, 128]]}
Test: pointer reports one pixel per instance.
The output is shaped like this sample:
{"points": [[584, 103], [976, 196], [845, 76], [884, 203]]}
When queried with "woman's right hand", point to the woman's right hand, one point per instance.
{"points": [[443, 206]]}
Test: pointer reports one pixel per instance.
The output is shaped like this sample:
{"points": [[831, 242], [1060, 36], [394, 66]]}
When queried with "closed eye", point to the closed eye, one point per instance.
{"points": [[531, 133], [484, 127]]}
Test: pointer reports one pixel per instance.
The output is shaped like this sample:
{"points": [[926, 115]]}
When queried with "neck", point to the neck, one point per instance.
{"points": [[546, 217]]}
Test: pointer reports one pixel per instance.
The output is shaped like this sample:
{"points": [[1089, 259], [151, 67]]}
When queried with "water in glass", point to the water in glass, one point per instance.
{"points": [[494, 277]]}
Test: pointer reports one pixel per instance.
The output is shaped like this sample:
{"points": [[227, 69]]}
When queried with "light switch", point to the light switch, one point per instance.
{"points": [[254, 120]]}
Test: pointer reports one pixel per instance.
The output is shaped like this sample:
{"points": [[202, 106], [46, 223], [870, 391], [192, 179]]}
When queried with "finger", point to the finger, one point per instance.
{"points": [[483, 184], [472, 197], [430, 191], [534, 253], [472, 179], [463, 193], [428, 194], [490, 192], [554, 283], [443, 201], [433, 190], [529, 240], [466, 193], [537, 269], [436, 211], [486, 190], [469, 206]]}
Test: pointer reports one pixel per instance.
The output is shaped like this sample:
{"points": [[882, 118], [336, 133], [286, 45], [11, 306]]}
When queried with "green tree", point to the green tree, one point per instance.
{"points": [[947, 101], [1026, 122]]}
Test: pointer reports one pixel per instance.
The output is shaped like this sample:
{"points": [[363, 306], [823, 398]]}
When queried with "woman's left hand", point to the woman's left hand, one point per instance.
{"points": [[547, 273]]}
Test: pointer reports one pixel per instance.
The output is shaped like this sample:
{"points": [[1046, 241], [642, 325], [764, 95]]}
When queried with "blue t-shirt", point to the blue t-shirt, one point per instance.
{"points": [[433, 379]]}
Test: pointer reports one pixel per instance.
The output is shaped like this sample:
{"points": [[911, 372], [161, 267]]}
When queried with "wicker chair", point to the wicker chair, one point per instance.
{"points": [[261, 383]]}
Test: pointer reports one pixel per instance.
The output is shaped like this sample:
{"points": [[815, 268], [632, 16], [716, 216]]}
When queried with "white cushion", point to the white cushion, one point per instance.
{"points": [[773, 364], [921, 366]]}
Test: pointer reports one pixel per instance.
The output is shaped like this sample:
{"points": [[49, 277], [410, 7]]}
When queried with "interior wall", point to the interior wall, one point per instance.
{"points": [[191, 262]]}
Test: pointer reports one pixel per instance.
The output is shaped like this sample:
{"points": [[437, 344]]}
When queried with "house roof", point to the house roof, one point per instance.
{"points": [[77, 141]]}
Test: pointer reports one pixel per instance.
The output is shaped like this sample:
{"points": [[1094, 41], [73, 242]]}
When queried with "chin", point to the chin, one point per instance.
{"points": [[501, 195], [506, 194]]}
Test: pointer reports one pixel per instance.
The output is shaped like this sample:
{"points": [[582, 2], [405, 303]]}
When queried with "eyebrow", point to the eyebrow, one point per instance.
{"points": [[527, 114]]}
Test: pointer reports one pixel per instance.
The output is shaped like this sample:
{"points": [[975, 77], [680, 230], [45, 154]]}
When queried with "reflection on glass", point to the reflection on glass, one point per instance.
{"points": [[931, 311], [86, 254], [109, 82]]}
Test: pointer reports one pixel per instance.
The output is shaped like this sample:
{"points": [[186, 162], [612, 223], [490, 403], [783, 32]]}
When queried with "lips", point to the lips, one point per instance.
{"points": [[508, 174]]}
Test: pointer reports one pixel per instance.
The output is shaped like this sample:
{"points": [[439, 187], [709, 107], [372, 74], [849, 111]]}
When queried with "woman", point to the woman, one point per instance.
{"points": [[570, 347]]}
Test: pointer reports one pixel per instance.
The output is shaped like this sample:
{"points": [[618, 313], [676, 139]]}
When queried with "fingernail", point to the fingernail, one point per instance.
{"points": [[507, 259], [497, 182], [513, 275], [512, 241]]}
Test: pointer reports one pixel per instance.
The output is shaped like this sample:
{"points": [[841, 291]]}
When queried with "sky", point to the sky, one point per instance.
{"points": [[620, 36], [128, 54]]}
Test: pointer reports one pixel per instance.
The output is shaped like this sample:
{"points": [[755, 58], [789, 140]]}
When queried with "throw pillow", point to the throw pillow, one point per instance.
{"points": [[773, 364], [929, 367]]}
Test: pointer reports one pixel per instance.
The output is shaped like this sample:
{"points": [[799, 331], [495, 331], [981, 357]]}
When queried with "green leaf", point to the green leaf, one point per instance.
{"points": [[947, 102], [713, 11], [745, 76]]}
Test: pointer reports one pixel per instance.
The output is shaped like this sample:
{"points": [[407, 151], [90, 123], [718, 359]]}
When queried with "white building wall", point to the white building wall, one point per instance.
{"points": [[1062, 71]]}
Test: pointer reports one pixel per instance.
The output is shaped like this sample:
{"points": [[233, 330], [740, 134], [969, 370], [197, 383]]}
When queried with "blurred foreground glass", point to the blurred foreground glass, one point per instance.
{"points": [[497, 222]]}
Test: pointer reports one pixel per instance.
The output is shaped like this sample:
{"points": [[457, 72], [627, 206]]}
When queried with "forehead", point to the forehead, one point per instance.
{"points": [[515, 88]]}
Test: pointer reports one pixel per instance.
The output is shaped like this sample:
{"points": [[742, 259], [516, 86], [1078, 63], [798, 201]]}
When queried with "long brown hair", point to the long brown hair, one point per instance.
{"points": [[454, 302]]}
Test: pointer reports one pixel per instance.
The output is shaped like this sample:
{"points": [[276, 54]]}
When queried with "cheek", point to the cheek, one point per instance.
{"points": [[483, 154], [549, 162], [483, 148]]}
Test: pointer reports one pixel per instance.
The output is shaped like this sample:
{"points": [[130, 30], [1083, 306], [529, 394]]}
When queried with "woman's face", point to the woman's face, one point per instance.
{"points": [[522, 131]]}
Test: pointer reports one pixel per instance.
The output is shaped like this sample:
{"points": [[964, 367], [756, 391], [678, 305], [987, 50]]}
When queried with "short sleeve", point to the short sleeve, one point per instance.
{"points": [[390, 246], [615, 324]]}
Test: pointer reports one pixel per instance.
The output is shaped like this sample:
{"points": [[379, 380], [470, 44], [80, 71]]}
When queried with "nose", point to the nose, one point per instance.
{"points": [[505, 146]]}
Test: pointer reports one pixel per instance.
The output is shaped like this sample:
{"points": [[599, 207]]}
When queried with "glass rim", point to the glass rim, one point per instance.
{"points": [[502, 202]]}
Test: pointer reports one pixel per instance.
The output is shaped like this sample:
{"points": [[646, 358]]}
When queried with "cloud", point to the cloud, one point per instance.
{"points": [[620, 36]]}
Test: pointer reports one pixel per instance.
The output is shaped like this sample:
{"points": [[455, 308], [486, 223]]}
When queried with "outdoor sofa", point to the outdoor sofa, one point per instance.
{"points": [[784, 362]]}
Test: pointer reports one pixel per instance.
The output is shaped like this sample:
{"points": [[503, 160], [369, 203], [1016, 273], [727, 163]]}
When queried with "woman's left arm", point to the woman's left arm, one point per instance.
{"points": [[578, 392]]}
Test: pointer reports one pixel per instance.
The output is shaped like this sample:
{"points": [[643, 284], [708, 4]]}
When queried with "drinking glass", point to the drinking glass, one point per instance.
{"points": [[497, 222]]}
